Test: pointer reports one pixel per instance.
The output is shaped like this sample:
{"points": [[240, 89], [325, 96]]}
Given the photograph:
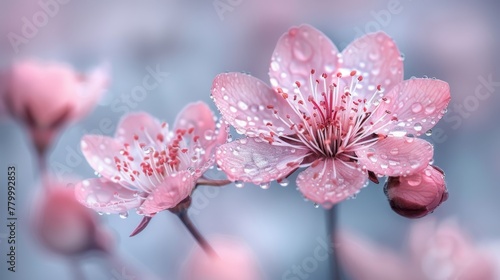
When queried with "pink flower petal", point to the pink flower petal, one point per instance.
{"points": [[45, 89], [169, 193], [252, 160], [299, 51], [105, 196], [331, 181], [416, 195], [100, 152], [417, 103], [376, 57], [199, 117], [243, 101], [140, 124], [396, 156], [362, 259]]}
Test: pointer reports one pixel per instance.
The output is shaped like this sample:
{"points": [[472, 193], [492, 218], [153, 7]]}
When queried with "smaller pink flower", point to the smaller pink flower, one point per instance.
{"points": [[435, 252], [417, 195], [45, 96], [148, 166], [64, 226], [234, 261], [344, 116]]}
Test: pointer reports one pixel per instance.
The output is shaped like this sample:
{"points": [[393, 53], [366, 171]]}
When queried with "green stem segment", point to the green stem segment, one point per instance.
{"points": [[331, 224]]}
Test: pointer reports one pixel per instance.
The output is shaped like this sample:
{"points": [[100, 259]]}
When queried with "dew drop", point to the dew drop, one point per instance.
{"points": [[430, 109], [316, 205], [265, 186], [100, 213], [417, 127], [416, 107], [209, 134], [242, 105], [414, 181], [284, 182], [239, 184], [124, 215], [394, 151], [275, 66], [428, 132], [241, 122], [372, 157]]}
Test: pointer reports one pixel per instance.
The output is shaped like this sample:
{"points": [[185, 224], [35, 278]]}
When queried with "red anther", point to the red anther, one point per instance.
{"points": [[334, 85], [379, 87], [142, 145], [315, 176], [339, 75], [394, 119], [324, 75], [195, 139], [280, 90], [136, 137], [387, 112], [360, 78], [292, 126], [117, 178], [285, 95], [353, 73], [317, 81], [163, 125], [301, 102], [270, 107], [191, 130], [160, 137], [297, 83], [269, 124], [130, 158], [313, 71]]}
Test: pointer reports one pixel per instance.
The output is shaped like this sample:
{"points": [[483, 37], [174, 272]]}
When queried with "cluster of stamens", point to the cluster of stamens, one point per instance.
{"points": [[333, 120], [150, 160]]}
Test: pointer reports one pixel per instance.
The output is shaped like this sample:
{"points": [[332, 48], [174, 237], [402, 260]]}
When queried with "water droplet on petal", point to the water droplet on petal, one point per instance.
{"points": [[284, 182], [416, 107], [430, 109], [415, 181], [239, 184], [417, 127], [428, 132], [394, 151], [316, 205], [242, 105], [124, 215], [265, 186], [209, 134]]}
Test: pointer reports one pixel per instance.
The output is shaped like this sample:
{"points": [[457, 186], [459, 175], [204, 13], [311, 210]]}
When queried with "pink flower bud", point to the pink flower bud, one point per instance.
{"points": [[417, 195]]}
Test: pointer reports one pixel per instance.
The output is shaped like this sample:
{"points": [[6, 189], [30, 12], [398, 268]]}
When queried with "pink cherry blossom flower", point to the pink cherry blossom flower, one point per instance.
{"points": [[435, 253], [416, 195], [340, 114], [147, 166], [234, 261], [64, 226], [45, 96]]}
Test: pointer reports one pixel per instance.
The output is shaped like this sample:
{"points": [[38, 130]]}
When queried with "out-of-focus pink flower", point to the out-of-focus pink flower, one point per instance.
{"points": [[48, 95], [340, 114], [234, 261], [436, 252], [416, 195], [147, 166], [65, 226]]}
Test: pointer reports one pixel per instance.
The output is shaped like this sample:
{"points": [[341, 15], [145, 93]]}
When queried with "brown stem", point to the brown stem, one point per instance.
{"points": [[183, 216], [209, 182]]}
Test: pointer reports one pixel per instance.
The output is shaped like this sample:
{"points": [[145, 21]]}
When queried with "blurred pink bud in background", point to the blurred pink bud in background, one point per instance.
{"points": [[234, 261], [46, 96], [435, 252], [66, 227], [417, 195]]}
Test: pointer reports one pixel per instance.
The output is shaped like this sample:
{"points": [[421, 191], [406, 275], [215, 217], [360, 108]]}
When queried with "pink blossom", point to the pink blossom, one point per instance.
{"points": [[339, 114], [435, 252], [45, 96], [234, 261], [147, 166], [64, 226], [416, 195]]}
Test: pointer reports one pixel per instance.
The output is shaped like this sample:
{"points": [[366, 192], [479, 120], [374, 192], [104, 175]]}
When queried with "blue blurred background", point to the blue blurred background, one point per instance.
{"points": [[453, 40]]}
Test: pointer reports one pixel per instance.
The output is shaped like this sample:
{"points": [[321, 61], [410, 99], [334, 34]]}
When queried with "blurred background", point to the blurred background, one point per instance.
{"points": [[193, 41]]}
